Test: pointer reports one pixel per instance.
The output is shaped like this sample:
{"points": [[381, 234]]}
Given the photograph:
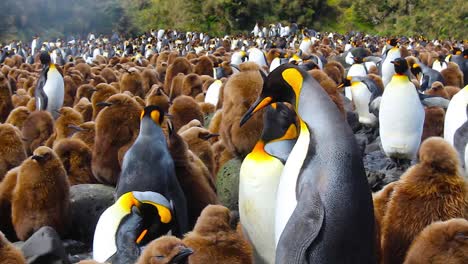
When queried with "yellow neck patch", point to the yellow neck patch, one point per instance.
{"points": [[258, 152], [127, 200], [294, 78], [155, 115]]}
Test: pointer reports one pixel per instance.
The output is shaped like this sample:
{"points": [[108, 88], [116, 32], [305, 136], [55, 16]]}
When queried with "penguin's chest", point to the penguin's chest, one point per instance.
{"points": [[361, 96], [212, 95], [456, 115], [357, 70]]}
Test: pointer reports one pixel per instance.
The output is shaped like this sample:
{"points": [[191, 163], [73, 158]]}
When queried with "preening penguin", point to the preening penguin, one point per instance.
{"points": [[320, 176], [259, 177], [401, 133], [50, 89], [148, 166]]}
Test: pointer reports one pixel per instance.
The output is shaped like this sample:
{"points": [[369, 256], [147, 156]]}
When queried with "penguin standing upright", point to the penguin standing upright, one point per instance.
{"points": [[425, 75], [256, 55], [364, 90], [325, 173], [259, 177], [50, 89], [148, 166], [391, 54], [401, 115]]}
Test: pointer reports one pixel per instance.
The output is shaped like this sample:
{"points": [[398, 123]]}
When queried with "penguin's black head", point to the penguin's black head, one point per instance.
{"points": [[393, 42], [154, 112], [282, 85], [279, 123], [45, 58], [401, 66]]}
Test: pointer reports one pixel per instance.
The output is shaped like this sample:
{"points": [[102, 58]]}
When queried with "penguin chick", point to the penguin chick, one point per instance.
{"points": [[195, 179], [240, 91], [441, 242], [31, 105], [70, 91], [433, 122], [183, 110], [41, 195], [197, 140], [192, 85], [9, 253], [12, 151], [85, 90], [452, 75], [117, 127], [176, 86], [335, 71], [103, 92], [207, 108], [109, 75], [37, 128], [215, 122], [149, 78], [68, 117], [437, 89], [6, 105], [429, 191], [204, 66], [165, 250], [20, 98], [213, 240], [85, 108], [452, 90], [7, 185], [133, 82], [18, 116], [193, 123], [76, 158], [156, 96], [180, 65]]}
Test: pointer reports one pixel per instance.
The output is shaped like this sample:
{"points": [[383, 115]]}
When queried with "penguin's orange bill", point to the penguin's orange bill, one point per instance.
{"points": [[266, 101], [142, 235]]}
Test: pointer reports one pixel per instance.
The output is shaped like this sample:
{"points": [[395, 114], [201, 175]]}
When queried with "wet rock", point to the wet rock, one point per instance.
{"points": [[227, 184], [44, 246]]}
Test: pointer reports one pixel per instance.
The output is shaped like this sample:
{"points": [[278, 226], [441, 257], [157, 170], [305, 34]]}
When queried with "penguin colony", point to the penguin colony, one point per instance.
{"points": [[160, 122]]}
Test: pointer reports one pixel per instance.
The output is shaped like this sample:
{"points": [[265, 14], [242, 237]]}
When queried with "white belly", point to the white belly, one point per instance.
{"points": [[286, 198], [305, 46], [357, 70], [258, 185], [212, 94], [348, 93], [456, 114], [257, 56], [401, 119], [54, 89], [388, 69], [275, 63], [361, 97]]}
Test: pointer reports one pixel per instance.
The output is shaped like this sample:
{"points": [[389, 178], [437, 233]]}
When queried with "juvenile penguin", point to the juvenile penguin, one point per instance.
{"points": [[165, 250], [50, 88], [148, 166], [86, 133], [9, 254], [7, 185], [68, 117], [401, 133], [320, 177], [44, 176], [133, 82], [259, 177], [213, 240], [197, 139], [440, 242], [183, 110], [12, 152], [6, 104], [37, 128], [429, 191], [156, 96]]}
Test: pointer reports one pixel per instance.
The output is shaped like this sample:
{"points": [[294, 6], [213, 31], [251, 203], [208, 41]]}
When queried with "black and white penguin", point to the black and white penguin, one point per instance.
{"points": [[364, 90], [50, 88], [391, 53], [425, 75]]}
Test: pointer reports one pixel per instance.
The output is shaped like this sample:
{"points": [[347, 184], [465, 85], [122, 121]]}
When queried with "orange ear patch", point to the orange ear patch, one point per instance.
{"points": [[155, 115]]}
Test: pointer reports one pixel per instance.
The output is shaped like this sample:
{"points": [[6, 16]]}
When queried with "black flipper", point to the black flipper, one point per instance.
{"points": [[41, 97], [127, 234], [302, 228], [429, 100]]}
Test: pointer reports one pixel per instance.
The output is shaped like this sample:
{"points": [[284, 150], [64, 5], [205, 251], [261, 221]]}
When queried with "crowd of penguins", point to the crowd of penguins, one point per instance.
{"points": [[159, 127]]}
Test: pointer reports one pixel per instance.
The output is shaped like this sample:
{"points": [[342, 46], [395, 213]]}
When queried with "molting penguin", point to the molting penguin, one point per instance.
{"points": [[323, 177], [259, 177], [50, 89], [126, 226], [148, 166], [401, 133]]}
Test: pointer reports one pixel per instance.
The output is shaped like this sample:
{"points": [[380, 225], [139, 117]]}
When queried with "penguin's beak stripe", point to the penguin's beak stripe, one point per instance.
{"points": [[258, 105]]}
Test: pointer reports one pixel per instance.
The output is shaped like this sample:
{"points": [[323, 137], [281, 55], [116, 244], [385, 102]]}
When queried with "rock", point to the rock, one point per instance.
{"points": [[227, 184], [74, 247], [45, 246], [88, 202], [361, 141], [353, 120]]}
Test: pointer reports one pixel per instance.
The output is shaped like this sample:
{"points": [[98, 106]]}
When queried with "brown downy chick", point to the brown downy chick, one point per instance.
{"points": [[150, 78], [180, 65], [335, 71], [165, 250], [156, 96], [192, 85], [433, 122], [68, 117], [452, 75], [133, 82], [76, 158], [7, 185], [431, 190], [85, 108], [214, 241], [6, 105], [9, 254], [86, 133], [31, 105], [437, 89], [103, 92], [197, 140], [194, 178], [452, 90], [37, 128], [109, 75], [70, 91], [18, 116], [183, 110], [84, 69], [176, 86], [85, 90], [117, 127], [204, 66], [12, 151], [41, 195], [20, 98], [193, 123], [441, 242], [240, 91]]}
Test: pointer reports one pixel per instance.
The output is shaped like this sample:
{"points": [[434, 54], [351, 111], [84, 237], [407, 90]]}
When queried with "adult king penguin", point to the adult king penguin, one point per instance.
{"points": [[401, 115], [364, 90], [259, 177], [392, 53], [148, 166], [325, 173], [50, 89]]}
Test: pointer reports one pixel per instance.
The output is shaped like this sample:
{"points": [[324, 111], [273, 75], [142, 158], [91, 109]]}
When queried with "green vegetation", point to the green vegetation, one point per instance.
{"points": [[20, 19]]}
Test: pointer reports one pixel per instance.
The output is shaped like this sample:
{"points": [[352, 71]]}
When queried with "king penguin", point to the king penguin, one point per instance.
{"points": [[392, 53], [148, 166], [50, 89], [259, 177], [122, 229], [324, 176], [256, 55], [212, 93], [401, 115], [456, 124], [364, 90]]}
